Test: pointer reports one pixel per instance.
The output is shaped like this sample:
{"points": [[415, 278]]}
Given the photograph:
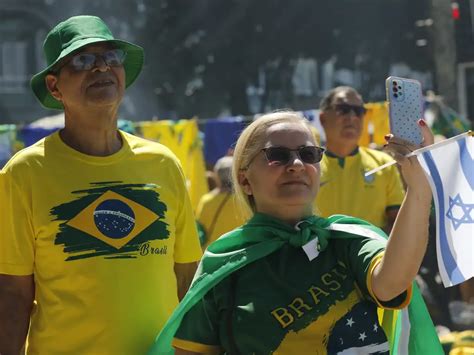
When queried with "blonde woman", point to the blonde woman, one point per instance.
{"points": [[289, 282]]}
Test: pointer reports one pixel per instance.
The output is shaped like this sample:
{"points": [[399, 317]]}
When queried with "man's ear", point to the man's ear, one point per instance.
{"points": [[322, 118], [244, 182], [51, 82]]}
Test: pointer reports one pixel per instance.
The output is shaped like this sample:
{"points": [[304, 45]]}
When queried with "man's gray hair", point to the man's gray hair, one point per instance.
{"points": [[327, 100], [223, 170]]}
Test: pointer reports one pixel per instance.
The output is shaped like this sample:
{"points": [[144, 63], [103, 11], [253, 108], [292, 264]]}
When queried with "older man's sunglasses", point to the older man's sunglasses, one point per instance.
{"points": [[344, 109], [282, 155], [87, 61]]}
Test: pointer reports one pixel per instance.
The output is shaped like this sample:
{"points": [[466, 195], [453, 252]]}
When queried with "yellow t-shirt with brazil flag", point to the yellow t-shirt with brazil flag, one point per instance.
{"points": [[101, 236]]}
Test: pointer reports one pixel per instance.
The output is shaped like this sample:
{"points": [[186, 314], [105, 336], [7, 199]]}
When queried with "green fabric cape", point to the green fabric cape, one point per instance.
{"points": [[261, 236]]}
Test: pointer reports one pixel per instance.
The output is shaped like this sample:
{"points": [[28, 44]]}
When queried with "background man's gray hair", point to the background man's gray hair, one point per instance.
{"points": [[223, 170]]}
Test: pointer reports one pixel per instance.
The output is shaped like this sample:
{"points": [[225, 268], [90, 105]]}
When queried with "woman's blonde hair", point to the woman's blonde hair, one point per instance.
{"points": [[249, 144]]}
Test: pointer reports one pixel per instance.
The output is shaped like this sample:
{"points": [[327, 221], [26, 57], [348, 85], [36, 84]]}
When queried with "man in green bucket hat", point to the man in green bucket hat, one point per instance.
{"points": [[98, 239], [70, 37]]}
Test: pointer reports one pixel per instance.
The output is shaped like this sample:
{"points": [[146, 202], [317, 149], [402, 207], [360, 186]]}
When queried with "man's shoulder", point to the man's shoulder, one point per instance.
{"points": [[27, 157], [206, 198], [373, 155], [214, 197]]}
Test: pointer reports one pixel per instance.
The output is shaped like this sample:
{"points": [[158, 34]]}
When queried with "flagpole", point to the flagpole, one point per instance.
{"points": [[422, 150]]}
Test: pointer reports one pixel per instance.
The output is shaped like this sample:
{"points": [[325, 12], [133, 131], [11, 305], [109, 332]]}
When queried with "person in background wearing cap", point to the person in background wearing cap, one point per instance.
{"points": [[344, 189], [217, 212], [96, 224]]}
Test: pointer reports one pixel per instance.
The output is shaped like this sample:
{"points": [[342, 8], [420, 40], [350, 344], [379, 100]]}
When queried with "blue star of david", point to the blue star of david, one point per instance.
{"points": [[466, 208]]}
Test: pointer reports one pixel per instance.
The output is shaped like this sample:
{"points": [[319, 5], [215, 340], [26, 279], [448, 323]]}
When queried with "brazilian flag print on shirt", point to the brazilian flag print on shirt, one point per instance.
{"points": [[113, 220], [101, 235]]}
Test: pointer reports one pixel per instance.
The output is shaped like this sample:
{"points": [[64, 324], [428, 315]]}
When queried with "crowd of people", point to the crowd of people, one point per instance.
{"points": [[298, 251]]}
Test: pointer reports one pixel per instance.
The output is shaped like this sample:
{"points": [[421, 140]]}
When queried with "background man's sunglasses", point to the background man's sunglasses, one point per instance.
{"points": [[344, 109], [282, 155], [87, 61]]}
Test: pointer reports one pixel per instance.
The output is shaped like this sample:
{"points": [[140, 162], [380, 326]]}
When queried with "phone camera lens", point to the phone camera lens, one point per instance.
{"points": [[394, 83], [399, 88], [395, 89], [395, 95]]}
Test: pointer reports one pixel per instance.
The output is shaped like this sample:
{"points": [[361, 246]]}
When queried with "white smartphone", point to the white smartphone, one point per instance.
{"points": [[405, 101]]}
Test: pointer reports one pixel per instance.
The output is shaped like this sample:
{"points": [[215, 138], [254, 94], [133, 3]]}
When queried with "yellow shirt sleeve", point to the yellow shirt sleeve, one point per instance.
{"points": [[405, 302], [16, 228], [196, 347]]}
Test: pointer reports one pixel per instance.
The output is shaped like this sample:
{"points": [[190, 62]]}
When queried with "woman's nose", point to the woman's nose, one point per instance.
{"points": [[295, 162]]}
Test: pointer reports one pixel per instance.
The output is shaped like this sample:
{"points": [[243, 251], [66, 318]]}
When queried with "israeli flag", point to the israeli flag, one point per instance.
{"points": [[450, 171]]}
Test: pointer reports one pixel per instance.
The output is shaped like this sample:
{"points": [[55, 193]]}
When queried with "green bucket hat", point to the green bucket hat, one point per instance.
{"points": [[73, 34]]}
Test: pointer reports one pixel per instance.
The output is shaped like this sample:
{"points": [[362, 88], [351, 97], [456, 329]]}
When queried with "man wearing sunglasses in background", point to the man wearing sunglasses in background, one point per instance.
{"points": [[95, 225], [344, 189]]}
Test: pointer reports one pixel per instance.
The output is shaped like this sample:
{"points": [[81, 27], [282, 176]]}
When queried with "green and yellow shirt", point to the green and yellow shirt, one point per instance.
{"points": [[285, 303]]}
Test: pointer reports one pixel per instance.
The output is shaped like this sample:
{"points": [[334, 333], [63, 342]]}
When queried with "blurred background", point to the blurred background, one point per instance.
{"points": [[210, 58]]}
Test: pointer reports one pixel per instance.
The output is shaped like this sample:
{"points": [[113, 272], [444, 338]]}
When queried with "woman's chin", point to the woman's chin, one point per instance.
{"points": [[301, 203]]}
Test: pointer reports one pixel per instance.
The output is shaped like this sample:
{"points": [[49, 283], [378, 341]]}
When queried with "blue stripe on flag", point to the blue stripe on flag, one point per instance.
{"points": [[449, 262], [467, 162]]}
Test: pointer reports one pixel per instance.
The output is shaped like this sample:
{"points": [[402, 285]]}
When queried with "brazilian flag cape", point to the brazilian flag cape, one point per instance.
{"points": [[409, 331]]}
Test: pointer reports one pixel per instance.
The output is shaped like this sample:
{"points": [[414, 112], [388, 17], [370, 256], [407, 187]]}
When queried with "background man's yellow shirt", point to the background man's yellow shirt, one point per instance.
{"points": [[218, 214], [345, 190]]}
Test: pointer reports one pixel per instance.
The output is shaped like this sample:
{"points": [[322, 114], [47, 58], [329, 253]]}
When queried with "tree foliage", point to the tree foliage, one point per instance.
{"points": [[202, 55]]}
